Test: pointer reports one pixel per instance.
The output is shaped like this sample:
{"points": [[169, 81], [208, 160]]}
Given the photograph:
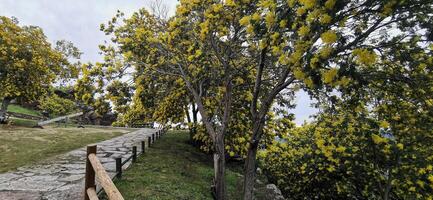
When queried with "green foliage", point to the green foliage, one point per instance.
{"points": [[350, 156], [241, 63], [28, 61], [20, 109], [56, 105], [120, 94]]}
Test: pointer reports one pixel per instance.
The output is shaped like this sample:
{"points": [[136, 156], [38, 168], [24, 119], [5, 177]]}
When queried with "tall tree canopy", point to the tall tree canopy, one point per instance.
{"points": [[29, 63], [251, 56]]}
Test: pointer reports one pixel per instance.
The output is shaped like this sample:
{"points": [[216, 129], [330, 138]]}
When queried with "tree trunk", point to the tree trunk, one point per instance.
{"points": [[250, 173], [219, 167], [4, 109], [194, 123], [251, 162]]}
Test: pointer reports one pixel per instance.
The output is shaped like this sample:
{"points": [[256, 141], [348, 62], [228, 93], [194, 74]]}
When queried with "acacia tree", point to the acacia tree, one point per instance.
{"points": [[208, 44], [322, 43], [370, 144], [156, 98], [29, 64], [173, 51]]}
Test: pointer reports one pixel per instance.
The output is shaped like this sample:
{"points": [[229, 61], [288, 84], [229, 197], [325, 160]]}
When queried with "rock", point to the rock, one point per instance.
{"points": [[273, 193], [259, 171], [20, 195]]}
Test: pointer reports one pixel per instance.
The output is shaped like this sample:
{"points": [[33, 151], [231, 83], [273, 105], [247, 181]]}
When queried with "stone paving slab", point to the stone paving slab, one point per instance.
{"points": [[62, 178]]}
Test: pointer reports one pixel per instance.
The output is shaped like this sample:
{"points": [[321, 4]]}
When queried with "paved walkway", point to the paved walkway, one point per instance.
{"points": [[62, 178]]}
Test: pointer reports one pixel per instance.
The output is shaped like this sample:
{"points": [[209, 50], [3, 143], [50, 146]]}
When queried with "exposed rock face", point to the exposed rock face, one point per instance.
{"points": [[273, 193]]}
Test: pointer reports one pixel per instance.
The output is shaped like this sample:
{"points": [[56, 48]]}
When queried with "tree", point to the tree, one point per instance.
{"points": [[353, 151], [321, 46], [324, 43], [156, 98], [29, 64], [163, 50]]}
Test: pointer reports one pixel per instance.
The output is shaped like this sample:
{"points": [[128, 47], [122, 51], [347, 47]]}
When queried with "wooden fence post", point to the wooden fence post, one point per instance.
{"points": [[143, 146], [90, 172], [119, 167], [134, 153]]}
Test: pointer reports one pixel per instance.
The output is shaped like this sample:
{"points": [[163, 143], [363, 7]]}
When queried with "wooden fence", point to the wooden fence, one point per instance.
{"points": [[59, 118], [95, 170], [24, 116]]}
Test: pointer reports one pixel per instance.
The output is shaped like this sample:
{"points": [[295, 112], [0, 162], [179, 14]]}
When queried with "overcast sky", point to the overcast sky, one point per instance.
{"points": [[78, 21]]}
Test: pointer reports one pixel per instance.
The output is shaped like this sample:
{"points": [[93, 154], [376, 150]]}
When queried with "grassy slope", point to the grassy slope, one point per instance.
{"points": [[21, 146], [173, 169], [19, 109]]}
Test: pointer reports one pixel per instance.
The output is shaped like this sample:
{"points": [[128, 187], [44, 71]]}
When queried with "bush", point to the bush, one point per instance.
{"points": [[56, 105], [343, 157]]}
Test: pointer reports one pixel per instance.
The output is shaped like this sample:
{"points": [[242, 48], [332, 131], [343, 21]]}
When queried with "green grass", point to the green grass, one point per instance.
{"points": [[20, 109], [20, 146], [173, 169], [23, 122]]}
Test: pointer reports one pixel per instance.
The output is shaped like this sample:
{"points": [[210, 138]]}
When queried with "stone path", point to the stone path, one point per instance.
{"points": [[62, 178]]}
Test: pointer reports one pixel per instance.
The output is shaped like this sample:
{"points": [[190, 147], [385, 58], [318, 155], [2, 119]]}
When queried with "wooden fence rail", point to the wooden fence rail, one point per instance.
{"points": [[94, 169]]}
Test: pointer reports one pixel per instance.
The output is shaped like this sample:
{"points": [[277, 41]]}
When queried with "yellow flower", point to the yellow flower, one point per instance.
{"points": [[256, 17], [270, 19], [384, 124], [198, 53], [330, 4], [304, 30], [377, 139], [217, 7], [341, 149], [313, 62], [400, 146], [299, 74], [309, 82], [301, 11], [430, 178], [239, 80], [325, 52], [283, 23], [329, 75], [250, 29], [244, 21], [329, 37], [275, 36], [420, 183], [308, 3], [267, 4], [230, 3], [331, 168], [344, 81], [365, 56], [412, 189], [325, 19]]}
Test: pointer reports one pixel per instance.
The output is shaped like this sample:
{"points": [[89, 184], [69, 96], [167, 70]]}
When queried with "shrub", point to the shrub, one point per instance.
{"points": [[343, 157], [56, 105]]}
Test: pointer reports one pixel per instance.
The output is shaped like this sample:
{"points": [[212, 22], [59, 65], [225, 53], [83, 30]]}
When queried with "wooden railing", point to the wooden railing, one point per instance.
{"points": [[94, 169], [59, 118]]}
